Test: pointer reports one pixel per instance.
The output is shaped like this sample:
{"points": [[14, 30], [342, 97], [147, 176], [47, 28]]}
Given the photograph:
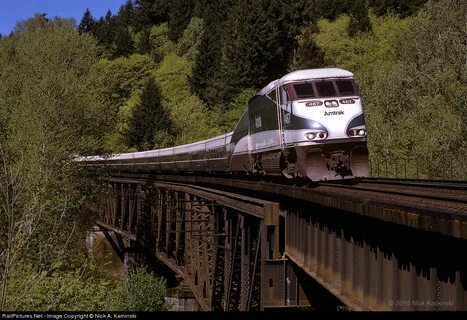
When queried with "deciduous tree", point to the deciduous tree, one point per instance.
{"points": [[51, 113]]}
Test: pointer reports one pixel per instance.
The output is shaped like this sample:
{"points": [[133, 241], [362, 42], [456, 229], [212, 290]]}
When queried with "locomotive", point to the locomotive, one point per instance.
{"points": [[307, 124]]}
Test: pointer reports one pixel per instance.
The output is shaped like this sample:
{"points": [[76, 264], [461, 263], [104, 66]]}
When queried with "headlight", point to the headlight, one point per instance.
{"points": [[357, 132], [316, 135]]}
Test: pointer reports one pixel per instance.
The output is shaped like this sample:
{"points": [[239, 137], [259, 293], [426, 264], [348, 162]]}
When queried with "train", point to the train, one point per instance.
{"points": [[308, 124]]}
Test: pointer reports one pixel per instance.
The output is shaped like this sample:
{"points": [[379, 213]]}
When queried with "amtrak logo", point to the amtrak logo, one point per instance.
{"points": [[333, 113]]}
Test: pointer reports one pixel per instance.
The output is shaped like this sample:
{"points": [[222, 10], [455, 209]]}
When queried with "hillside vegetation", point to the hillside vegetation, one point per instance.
{"points": [[210, 57]]}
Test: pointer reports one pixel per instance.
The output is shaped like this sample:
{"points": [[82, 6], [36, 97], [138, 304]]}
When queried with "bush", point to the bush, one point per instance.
{"points": [[141, 291]]}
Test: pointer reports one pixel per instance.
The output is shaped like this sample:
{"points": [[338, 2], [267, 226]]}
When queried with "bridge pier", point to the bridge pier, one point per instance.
{"points": [[105, 252], [106, 246]]}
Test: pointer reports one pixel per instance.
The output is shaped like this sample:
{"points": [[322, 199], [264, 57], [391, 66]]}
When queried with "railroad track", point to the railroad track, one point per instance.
{"points": [[434, 190], [444, 195], [432, 206]]}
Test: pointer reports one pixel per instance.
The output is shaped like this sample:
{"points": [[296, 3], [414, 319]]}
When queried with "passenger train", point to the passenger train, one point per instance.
{"points": [[308, 124]]}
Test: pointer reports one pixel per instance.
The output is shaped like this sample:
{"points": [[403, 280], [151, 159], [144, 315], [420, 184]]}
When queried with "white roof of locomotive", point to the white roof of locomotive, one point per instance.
{"points": [[269, 87], [311, 74], [308, 74]]}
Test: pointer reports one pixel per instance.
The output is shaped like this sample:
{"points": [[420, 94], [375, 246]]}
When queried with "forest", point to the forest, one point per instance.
{"points": [[159, 73]]}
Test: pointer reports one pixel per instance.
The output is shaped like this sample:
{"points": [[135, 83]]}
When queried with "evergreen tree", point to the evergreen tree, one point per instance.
{"points": [[205, 66], [404, 8], [87, 23], [126, 15], [359, 20], [188, 44], [289, 17], [124, 45], [252, 48], [180, 15], [208, 62], [149, 118], [143, 41], [308, 54], [152, 12], [292, 16], [104, 31], [331, 9]]}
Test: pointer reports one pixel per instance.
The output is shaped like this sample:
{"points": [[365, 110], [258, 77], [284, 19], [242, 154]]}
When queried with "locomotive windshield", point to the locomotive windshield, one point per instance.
{"points": [[322, 89], [304, 90], [345, 87], [326, 88]]}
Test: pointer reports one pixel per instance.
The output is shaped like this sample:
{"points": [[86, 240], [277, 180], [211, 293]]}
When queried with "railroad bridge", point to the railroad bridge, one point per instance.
{"points": [[367, 244]]}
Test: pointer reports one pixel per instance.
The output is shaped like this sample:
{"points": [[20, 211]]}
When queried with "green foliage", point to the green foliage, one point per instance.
{"points": [[57, 291], [51, 111], [363, 52], [104, 33], [189, 43], [331, 9], [226, 118], [257, 42], [122, 76], [123, 45], [38, 75], [148, 118], [84, 289], [412, 75], [403, 8], [205, 73], [117, 139], [334, 41], [152, 12], [308, 55], [191, 119], [248, 49], [127, 15], [160, 43], [359, 21], [180, 14], [143, 42], [121, 81], [141, 291]]}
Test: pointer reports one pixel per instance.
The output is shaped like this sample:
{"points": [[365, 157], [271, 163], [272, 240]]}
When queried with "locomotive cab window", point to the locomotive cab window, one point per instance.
{"points": [[326, 88], [346, 87], [272, 95], [304, 90]]}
